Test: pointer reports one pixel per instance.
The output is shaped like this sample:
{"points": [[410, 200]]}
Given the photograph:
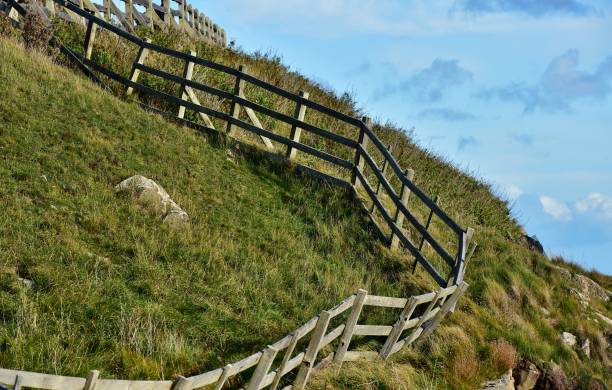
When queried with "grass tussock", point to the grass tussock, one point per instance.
{"points": [[113, 289]]}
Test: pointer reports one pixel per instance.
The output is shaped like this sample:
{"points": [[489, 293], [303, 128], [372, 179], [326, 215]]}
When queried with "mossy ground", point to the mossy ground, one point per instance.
{"points": [[116, 290]]}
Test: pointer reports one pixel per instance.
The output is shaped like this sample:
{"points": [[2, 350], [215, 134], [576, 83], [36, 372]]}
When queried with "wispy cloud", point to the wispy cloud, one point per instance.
{"points": [[513, 192], [429, 85], [445, 114], [560, 84], [465, 143], [596, 204], [556, 209], [535, 8]]}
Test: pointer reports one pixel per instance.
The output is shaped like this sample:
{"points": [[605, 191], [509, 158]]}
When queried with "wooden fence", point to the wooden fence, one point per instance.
{"points": [[386, 201], [292, 360], [280, 364], [135, 13]]}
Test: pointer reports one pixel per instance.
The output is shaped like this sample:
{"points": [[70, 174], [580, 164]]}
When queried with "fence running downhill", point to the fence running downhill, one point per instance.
{"points": [[280, 364]]}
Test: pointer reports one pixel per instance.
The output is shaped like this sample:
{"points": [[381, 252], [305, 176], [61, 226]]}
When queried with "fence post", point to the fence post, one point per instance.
{"points": [[398, 328], [107, 10], [50, 5], [349, 328], [363, 141], [187, 74], [444, 310], [296, 132], [399, 216], [265, 362], [149, 12], [140, 59], [312, 351], [91, 380], [379, 185], [427, 224], [129, 12], [167, 11], [295, 337], [182, 14], [223, 378], [238, 90], [181, 383], [90, 35]]}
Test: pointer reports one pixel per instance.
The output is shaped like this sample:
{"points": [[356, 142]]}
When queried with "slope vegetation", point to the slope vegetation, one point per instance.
{"points": [[114, 289]]}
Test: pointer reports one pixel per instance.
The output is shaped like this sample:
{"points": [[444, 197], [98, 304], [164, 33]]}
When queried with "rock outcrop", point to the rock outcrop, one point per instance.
{"points": [[583, 287], [154, 197], [526, 375], [506, 382]]}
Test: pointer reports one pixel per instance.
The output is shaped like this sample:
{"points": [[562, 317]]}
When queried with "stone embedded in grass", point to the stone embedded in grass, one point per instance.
{"points": [[154, 197], [506, 382], [568, 338]]}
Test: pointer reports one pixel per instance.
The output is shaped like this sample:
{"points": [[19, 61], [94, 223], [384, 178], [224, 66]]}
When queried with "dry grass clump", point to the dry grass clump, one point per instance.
{"points": [[503, 355]]}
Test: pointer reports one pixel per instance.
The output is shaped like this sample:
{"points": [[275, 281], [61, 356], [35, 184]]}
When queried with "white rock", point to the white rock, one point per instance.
{"points": [[586, 347], [155, 197], [568, 338], [27, 282], [506, 382]]}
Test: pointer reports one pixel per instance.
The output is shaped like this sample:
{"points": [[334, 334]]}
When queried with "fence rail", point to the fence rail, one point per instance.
{"points": [[292, 360], [420, 314]]}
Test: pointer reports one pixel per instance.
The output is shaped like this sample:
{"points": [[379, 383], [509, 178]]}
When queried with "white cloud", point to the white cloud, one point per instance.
{"points": [[595, 203], [555, 208], [513, 192]]}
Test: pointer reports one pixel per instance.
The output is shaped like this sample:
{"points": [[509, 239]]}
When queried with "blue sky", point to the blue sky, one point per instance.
{"points": [[516, 91]]}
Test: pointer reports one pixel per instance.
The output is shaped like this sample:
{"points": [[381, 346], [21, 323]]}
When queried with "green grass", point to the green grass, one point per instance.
{"points": [[116, 290]]}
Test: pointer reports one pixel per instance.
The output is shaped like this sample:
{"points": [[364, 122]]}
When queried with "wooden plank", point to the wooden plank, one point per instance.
{"points": [[359, 160], [235, 109], [353, 356], [333, 335], [262, 368], [312, 351], [255, 120], [207, 378], [342, 306], [113, 384], [445, 309], [194, 98], [41, 381], [398, 328], [295, 337], [187, 75], [351, 322], [372, 330], [375, 300], [399, 216], [140, 59], [296, 132], [120, 16]]}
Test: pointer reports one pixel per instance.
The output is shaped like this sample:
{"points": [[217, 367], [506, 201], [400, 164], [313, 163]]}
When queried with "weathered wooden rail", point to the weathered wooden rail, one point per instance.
{"points": [[292, 360], [184, 18], [280, 364]]}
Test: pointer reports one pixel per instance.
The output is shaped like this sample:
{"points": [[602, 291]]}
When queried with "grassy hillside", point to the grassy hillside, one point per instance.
{"points": [[116, 290]]}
